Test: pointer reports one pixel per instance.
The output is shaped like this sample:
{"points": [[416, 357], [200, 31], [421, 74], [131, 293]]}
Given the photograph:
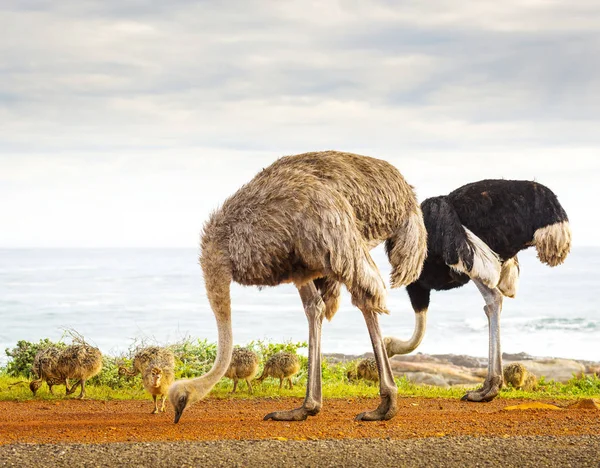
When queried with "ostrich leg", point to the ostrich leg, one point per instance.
{"points": [[315, 310], [493, 381], [387, 387]]}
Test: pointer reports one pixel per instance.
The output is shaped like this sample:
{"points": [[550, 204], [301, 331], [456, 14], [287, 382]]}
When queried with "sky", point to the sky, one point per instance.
{"points": [[124, 123]]}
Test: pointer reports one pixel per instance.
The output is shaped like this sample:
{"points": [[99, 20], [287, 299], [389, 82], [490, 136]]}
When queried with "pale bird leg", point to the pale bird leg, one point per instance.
{"points": [[315, 311], [388, 408], [249, 386], [493, 381], [82, 393]]}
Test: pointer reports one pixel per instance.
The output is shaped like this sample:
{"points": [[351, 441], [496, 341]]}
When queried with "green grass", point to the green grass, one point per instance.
{"points": [[587, 387], [195, 357]]}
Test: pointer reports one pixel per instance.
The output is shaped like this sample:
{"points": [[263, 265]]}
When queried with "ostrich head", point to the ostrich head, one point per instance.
{"points": [[34, 386], [187, 392]]}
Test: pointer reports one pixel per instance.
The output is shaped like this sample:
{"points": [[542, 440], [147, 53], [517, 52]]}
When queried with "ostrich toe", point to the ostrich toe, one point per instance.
{"points": [[489, 391]]}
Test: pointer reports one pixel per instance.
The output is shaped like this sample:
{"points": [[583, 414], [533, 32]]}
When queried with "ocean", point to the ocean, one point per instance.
{"points": [[114, 296]]}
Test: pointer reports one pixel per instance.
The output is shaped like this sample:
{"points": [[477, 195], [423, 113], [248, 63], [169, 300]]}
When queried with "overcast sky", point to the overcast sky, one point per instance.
{"points": [[123, 123]]}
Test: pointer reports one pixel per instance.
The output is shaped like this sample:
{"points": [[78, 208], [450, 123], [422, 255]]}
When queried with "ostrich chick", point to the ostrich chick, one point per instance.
{"points": [[44, 367], [157, 366], [517, 375], [281, 366], [80, 361], [366, 370], [156, 381], [244, 365]]}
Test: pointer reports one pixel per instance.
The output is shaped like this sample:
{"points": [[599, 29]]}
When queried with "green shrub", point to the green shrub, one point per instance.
{"points": [[21, 356], [193, 358]]}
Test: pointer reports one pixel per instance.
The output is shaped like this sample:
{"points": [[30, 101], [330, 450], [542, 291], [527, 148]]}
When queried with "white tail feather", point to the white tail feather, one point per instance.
{"points": [[509, 277], [486, 264], [553, 243]]}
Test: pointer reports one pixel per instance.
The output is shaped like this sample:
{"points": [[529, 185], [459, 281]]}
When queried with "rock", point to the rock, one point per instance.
{"points": [[423, 378], [588, 403], [592, 370], [532, 405], [517, 357], [463, 360], [559, 370], [446, 374], [419, 357]]}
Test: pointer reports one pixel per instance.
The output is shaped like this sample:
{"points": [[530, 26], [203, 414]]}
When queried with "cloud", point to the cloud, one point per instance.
{"points": [[125, 106]]}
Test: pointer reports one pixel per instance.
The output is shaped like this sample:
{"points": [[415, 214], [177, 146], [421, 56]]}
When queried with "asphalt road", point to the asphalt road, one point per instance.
{"points": [[541, 451]]}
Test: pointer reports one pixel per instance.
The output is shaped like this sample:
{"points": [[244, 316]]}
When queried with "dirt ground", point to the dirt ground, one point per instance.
{"points": [[74, 421]]}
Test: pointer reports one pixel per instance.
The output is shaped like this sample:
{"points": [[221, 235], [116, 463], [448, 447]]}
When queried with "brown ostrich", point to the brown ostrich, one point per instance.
{"points": [[244, 365], [157, 366], [281, 366], [44, 367], [366, 370], [78, 361], [517, 376], [144, 356], [311, 220]]}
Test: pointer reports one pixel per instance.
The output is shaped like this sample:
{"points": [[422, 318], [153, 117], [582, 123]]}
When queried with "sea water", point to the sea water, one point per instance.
{"points": [[114, 296]]}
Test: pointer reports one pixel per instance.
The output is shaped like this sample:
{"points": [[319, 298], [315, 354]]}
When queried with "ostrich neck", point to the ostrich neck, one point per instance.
{"points": [[204, 383], [404, 347]]}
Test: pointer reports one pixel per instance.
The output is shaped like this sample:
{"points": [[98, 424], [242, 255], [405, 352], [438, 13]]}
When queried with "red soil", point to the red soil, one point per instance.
{"points": [[119, 421]]}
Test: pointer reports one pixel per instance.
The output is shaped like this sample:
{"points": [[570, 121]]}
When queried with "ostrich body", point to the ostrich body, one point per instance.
{"points": [[281, 366], [366, 370], [44, 367], [244, 365], [80, 361], [475, 233], [157, 377], [517, 376], [311, 220], [157, 366], [144, 356]]}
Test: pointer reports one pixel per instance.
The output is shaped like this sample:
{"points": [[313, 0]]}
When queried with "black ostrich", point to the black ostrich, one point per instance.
{"points": [[474, 233]]}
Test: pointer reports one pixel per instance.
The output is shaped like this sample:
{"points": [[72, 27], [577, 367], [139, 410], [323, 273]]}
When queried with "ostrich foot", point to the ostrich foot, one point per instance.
{"points": [[387, 409], [489, 390], [155, 411], [298, 414]]}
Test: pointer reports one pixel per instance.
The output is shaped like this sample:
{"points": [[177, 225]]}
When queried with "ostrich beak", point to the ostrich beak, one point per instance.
{"points": [[179, 407]]}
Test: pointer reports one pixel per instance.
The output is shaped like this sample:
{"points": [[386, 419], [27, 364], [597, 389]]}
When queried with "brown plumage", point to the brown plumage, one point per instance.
{"points": [[45, 369], [157, 366], [78, 361], [311, 220], [516, 375], [144, 356], [366, 370], [282, 366], [244, 365]]}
